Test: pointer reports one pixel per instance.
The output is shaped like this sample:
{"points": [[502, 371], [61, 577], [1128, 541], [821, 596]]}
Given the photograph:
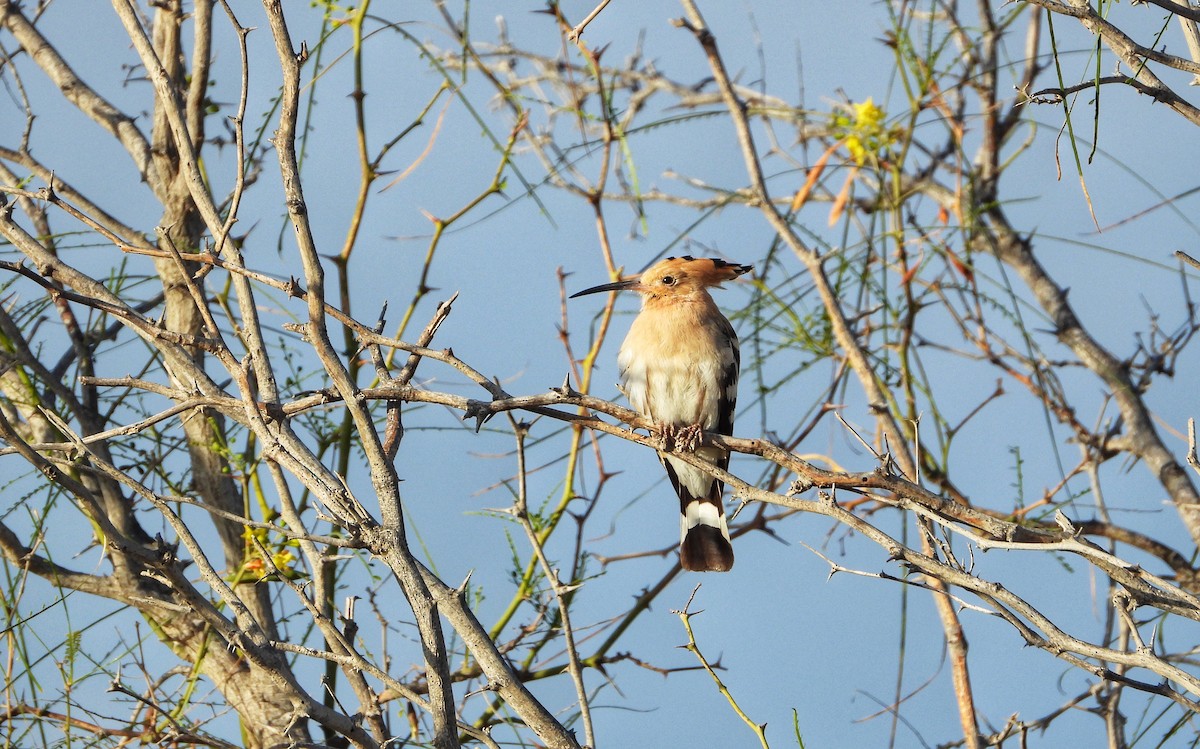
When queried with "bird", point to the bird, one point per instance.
{"points": [[679, 368]]}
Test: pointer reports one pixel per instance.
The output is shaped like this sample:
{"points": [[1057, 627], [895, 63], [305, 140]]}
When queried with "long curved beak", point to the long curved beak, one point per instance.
{"points": [[615, 286]]}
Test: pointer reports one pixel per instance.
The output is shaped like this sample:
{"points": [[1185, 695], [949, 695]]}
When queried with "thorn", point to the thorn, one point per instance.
{"points": [[461, 590], [566, 390], [1064, 523]]}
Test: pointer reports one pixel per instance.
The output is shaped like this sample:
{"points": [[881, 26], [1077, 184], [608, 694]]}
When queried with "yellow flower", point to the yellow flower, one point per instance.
{"points": [[855, 147], [867, 116], [866, 133], [284, 560]]}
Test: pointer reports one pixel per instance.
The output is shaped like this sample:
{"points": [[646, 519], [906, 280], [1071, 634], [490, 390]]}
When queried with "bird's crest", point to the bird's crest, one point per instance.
{"points": [[687, 271]]}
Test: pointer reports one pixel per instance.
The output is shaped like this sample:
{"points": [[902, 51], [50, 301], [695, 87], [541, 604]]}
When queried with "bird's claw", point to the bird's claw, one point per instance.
{"points": [[676, 438]]}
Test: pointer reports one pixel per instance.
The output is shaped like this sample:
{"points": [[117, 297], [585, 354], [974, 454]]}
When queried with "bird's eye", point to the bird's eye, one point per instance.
{"points": [[668, 280]]}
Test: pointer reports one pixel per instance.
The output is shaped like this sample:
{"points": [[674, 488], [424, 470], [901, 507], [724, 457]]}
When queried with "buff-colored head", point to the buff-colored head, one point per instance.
{"points": [[676, 277]]}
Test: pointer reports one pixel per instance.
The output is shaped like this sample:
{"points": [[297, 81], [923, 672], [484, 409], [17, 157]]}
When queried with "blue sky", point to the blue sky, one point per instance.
{"points": [[790, 637]]}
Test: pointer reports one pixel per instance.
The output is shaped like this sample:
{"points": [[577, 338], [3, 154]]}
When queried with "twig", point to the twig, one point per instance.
{"points": [[578, 30], [521, 512], [685, 616], [1192, 459]]}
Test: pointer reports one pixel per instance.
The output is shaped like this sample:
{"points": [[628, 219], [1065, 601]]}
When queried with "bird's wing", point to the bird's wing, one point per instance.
{"points": [[727, 399]]}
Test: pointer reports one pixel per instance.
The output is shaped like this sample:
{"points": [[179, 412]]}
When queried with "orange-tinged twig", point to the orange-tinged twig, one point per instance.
{"points": [[843, 197], [814, 173]]}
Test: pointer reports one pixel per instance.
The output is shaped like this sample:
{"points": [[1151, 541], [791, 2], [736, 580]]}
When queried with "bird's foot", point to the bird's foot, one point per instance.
{"points": [[676, 438]]}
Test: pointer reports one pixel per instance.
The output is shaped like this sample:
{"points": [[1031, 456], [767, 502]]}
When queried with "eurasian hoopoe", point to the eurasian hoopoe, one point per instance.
{"points": [[679, 368]]}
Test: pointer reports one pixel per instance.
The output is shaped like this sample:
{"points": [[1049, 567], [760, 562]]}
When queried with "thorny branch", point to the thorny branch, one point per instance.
{"points": [[982, 529]]}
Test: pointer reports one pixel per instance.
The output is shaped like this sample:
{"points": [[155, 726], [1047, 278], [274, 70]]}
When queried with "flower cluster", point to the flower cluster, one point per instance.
{"points": [[863, 130]]}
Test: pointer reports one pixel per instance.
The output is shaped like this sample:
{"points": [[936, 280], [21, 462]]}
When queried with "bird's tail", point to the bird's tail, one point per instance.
{"points": [[704, 542]]}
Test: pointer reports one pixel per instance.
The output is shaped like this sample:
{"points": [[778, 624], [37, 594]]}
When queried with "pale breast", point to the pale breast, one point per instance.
{"points": [[677, 374]]}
